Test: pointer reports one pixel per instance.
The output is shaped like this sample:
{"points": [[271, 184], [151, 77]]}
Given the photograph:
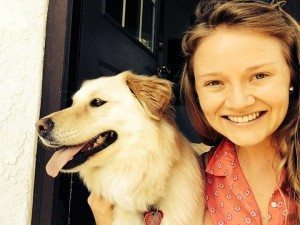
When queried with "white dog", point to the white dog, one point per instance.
{"points": [[120, 136]]}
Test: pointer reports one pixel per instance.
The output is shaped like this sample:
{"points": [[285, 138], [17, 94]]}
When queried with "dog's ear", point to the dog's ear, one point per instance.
{"points": [[154, 94]]}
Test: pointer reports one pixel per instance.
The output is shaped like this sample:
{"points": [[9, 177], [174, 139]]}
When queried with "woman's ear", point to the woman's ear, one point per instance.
{"points": [[154, 94]]}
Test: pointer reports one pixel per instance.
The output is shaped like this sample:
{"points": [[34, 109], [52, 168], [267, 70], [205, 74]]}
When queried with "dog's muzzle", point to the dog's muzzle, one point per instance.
{"points": [[70, 156]]}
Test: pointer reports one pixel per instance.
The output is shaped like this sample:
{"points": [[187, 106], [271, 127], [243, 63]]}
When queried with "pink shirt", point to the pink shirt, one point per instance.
{"points": [[228, 196]]}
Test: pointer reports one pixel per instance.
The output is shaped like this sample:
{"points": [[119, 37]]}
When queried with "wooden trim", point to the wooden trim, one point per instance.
{"points": [[55, 81]]}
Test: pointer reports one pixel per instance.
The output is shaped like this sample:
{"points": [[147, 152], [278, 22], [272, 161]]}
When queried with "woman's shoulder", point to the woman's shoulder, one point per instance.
{"points": [[205, 156], [206, 153]]}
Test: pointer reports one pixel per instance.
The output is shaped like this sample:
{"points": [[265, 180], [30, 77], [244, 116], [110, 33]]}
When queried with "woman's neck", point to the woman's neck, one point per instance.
{"points": [[260, 156]]}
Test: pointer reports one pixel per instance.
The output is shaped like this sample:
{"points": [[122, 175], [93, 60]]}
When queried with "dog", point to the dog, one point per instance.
{"points": [[120, 135]]}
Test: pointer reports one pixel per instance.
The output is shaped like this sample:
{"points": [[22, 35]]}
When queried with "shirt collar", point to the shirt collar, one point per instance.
{"points": [[224, 159]]}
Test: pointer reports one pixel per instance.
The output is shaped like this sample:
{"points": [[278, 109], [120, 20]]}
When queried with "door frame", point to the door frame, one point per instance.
{"points": [[54, 96]]}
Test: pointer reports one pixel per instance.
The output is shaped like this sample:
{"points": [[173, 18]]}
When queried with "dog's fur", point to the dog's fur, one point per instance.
{"points": [[150, 163]]}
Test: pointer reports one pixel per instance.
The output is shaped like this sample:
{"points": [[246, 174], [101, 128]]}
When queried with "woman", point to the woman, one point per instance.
{"points": [[243, 66], [241, 85]]}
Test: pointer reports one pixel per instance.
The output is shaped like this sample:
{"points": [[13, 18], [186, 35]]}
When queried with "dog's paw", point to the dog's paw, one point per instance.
{"points": [[102, 210], [99, 205]]}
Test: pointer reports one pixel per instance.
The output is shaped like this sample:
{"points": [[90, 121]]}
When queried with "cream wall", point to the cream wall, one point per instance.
{"points": [[22, 39]]}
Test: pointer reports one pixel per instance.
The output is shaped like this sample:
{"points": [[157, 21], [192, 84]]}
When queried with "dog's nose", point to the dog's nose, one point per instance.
{"points": [[44, 126]]}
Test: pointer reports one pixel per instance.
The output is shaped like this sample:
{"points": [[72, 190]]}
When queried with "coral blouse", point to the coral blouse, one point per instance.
{"points": [[228, 195]]}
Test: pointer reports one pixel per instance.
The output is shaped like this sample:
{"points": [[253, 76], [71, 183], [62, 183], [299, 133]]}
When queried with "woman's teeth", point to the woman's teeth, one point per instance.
{"points": [[244, 119]]}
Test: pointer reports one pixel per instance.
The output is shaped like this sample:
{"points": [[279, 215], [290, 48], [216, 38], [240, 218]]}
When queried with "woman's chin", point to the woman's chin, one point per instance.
{"points": [[248, 141]]}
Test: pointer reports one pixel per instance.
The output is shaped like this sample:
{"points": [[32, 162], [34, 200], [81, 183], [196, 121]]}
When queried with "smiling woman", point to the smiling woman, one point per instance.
{"points": [[241, 85]]}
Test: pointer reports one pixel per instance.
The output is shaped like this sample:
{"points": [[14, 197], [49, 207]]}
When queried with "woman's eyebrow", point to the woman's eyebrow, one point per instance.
{"points": [[259, 66], [210, 74], [250, 68]]}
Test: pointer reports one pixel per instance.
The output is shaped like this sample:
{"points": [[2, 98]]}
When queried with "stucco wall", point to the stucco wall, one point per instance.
{"points": [[22, 39]]}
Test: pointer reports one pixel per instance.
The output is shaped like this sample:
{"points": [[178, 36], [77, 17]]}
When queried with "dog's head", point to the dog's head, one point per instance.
{"points": [[106, 113]]}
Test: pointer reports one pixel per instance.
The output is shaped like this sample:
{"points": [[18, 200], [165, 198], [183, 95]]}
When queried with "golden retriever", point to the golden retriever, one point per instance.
{"points": [[120, 135]]}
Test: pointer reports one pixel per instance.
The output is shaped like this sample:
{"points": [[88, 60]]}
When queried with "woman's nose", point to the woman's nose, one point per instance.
{"points": [[239, 98]]}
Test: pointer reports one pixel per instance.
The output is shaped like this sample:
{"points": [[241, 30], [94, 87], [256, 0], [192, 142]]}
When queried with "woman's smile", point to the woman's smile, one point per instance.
{"points": [[243, 119]]}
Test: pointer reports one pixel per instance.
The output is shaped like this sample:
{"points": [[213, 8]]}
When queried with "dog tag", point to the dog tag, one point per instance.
{"points": [[153, 218]]}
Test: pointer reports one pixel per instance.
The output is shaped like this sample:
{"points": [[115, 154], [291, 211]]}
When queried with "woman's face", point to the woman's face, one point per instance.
{"points": [[242, 81]]}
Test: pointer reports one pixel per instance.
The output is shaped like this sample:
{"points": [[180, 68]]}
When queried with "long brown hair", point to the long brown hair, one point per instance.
{"points": [[269, 19]]}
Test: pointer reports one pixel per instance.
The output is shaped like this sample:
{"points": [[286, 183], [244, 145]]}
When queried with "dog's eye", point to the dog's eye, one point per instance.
{"points": [[96, 102]]}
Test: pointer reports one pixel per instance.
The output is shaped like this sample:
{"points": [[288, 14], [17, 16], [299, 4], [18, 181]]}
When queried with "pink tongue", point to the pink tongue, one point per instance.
{"points": [[59, 159]]}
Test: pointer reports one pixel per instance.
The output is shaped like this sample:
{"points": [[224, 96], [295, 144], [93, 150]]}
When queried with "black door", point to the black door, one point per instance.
{"points": [[117, 35]]}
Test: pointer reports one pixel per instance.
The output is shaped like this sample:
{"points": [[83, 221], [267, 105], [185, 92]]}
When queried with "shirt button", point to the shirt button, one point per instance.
{"points": [[274, 204]]}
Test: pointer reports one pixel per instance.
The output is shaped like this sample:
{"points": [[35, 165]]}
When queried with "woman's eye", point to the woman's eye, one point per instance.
{"points": [[213, 83], [260, 76]]}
